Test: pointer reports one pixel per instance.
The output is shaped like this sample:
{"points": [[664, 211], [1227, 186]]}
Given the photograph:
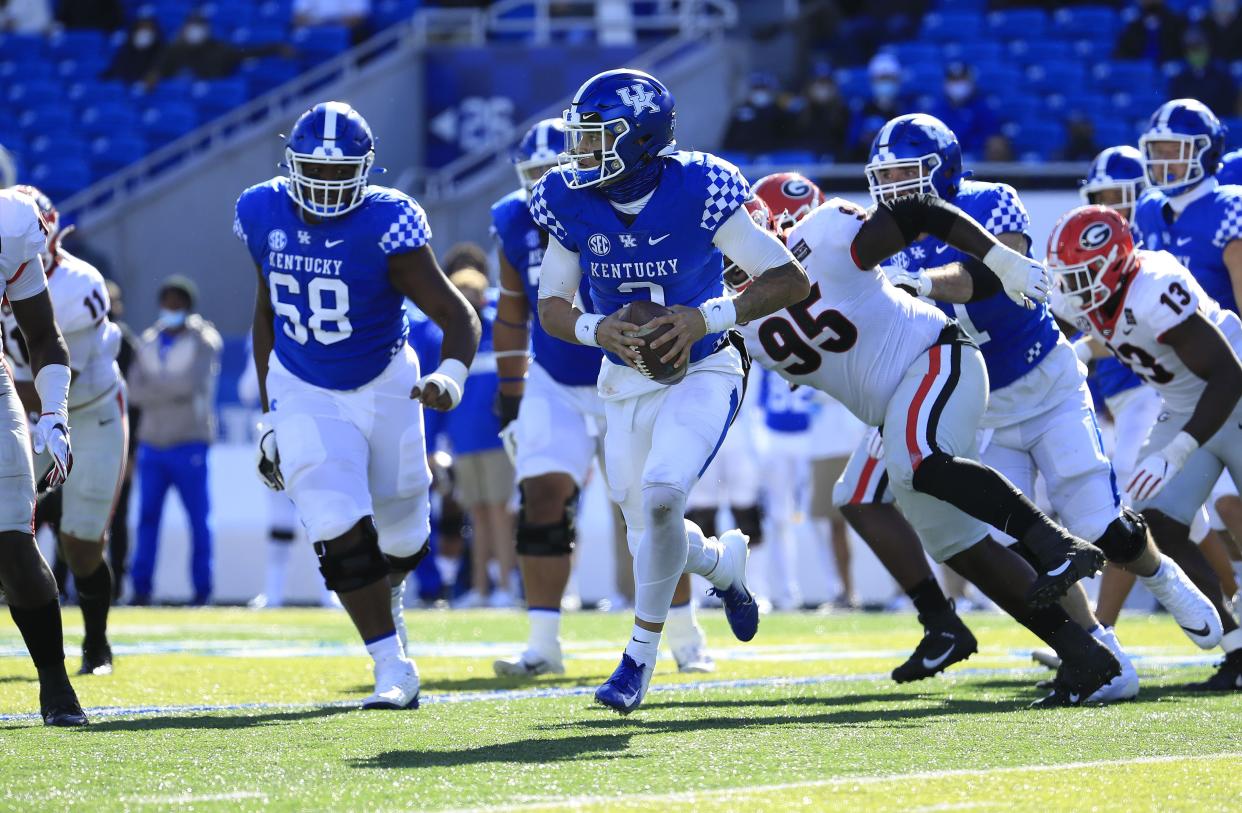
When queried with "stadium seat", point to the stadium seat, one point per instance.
{"points": [[1001, 78], [79, 44], [1053, 77], [24, 48], [95, 91], [1036, 139], [57, 147], [168, 121], [1042, 51], [276, 11], [1072, 23], [31, 92], [101, 118], [976, 53], [1233, 136], [85, 67], [908, 53], [390, 12], [951, 25], [48, 118], [1025, 23], [1111, 131], [264, 74], [1124, 75], [319, 43], [260, 33], [219, 96], [114, 152], [977, 6], [63, 177]]}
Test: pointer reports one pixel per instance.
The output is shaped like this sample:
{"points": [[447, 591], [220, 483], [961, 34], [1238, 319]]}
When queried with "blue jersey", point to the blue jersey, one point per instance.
{"points": [[1111, 377], [666, 254], [473, 425], [522, 243], [426, 337], [1012, 338], [785, 409], [338, 320], [1198, 236]]}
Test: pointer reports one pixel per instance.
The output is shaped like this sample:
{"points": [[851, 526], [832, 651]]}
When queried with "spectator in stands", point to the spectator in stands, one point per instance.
{"points": [[1204, 77], [966, 113], [352, 14], [1080, 144], [25, 16], [173, 382], [760, 124], [484, 474], [104, 15], [825, 117], [1223, 26], [135, 58], [884, 74], [197, 52], [1154, 32]]}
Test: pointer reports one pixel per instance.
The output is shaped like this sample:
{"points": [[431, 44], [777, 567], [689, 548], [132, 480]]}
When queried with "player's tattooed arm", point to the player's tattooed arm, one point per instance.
{"points": [[1203, 348], [559, 278], [418, 276], [771, 291], [44, 341], [263, 335], [510, 336]]}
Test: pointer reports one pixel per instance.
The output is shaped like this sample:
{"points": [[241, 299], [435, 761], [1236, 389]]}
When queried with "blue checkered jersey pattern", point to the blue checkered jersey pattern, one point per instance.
{"points": [[1013, 339], [522, 242], [1198, 237], [666, 254], [338, 320]]}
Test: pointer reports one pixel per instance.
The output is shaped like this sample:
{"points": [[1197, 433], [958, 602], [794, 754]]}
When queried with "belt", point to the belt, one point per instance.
{"points": [[953, 333]]}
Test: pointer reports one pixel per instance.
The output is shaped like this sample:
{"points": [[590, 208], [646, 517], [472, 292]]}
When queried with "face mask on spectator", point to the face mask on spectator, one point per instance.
{"points": [[822, 92], [144, 38], [959, 90], [885, 90], [760, 97], [170, 319], [195, 34]]}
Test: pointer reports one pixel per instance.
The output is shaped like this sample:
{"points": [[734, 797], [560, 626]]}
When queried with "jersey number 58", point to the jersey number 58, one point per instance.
{"points": [[329, 306]]}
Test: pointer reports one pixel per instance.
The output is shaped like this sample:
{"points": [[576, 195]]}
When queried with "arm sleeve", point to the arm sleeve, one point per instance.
{"points": [[409, 229], [752, 247], [560, 274]]}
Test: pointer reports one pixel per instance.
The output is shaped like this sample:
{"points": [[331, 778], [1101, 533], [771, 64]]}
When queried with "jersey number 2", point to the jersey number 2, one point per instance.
{"points": [[322, 313], [781, 340]]}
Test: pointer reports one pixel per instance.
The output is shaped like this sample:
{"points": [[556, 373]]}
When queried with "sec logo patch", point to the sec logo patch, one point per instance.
{"points": [[277, 240], [599, 244]]}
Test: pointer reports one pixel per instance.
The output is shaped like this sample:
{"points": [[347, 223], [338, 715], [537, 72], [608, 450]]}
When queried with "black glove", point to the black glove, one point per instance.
{"points": [[506, 408]]}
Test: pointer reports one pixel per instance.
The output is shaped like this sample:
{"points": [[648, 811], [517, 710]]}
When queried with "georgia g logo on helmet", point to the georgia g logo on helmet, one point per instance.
{"points": [[796, 188], [1095, 236]]}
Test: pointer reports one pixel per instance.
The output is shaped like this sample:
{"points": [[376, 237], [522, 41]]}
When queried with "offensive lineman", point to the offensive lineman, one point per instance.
{"points": [[342, 429], [28, 583], [98, 415]]}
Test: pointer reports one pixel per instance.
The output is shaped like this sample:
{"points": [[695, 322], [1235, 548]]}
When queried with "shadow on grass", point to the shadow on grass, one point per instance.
{"points": [[531, 751], [221, 722], [490, 683]]}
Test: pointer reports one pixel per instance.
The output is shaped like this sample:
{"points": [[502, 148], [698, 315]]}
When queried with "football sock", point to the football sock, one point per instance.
{"points": [[278, 552], [681, 626], [643, 646], [1231, 641], [545, 630], [703, 555], [662, 553], [95, 598], [980, 491], [45, 639], [929, 600], [385, 648]]}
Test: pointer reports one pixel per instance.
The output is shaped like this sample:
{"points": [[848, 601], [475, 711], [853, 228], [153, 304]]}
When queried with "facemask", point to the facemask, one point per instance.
{"points": [[144, 38], [170, 319], [195, 34], [885, 90], [822, 92], [959, 90], [760, 98]]}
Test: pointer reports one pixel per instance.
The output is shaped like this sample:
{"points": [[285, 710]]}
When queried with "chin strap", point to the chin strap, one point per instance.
{"points": [[636, 184]]}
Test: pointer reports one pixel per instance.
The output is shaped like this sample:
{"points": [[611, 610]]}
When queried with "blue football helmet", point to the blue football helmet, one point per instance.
{"points": [[329, 153], [1117, 169], [618, 122], [539, 151], [1230, 169], [915, 141], [1201, 142]]}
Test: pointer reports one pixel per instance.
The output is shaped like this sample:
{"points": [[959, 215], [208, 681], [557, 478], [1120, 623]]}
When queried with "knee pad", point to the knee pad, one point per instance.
{"points": [[356, 567], [705, 518], [554, 539], [750, 522], [406, 564], [663, 504], [1125, 538], [931, 471]]}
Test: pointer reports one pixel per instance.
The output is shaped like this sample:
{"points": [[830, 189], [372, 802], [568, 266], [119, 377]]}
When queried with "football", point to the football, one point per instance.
{"points": [[641, 312]]}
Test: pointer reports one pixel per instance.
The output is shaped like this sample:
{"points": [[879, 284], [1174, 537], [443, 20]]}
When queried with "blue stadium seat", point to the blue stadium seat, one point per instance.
{"points": [[169, 120], [170, 14], [79, 44], [853, 83], [47, 119], [1138, 105], [911, 52], [1023, 22], [276, 11], [63, 177], [33, 91], [219, 96], [178, 88], [388, 12], [1041, 52], [923, 77], [976, 53], [101, 118], [1072, 23], [85, 67], [260, 33], [264, 74], [1036, 139], [1053, 77], [951, 25], [977, 6], [227, 16], [1111, 131], [57, 147], [96, 91], [1001, 78], [24, 48], [1017, 108], [113, 152], [319, 43], [1127, 75]]}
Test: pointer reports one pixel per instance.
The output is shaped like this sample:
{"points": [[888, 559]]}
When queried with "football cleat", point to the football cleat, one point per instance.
{"points": [[528, 665], [946, 641], [693, 659], [741, 609], [1126, 685], [1228, 677], [62, 709], [627, 686], [1046, 657], [1074, 559], [396, 686], [96, 660], [1081, 677], [1185, 602]]}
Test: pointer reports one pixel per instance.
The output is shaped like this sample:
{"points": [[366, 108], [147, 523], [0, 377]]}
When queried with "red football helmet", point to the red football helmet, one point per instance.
{"points": [[790, 196], [51, 219], [735, 278], [1091, 254]]}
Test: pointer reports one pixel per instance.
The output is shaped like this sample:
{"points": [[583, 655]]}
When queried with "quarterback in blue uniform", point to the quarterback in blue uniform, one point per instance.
{"points": [[641, 220], [1040, 416], [553, 419], [341, 391]]}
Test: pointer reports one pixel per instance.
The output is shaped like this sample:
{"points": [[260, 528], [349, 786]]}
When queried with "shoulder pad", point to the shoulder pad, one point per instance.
{"points": [[547, 203], [726, 190], [403, 220]]}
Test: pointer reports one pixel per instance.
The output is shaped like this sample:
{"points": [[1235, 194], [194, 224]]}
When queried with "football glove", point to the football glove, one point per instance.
{"points": [[268, 458], [875, 444], [51, 435], [508, 437], [506, 408], [916, 284], [1154, 473], [1025, 281]]}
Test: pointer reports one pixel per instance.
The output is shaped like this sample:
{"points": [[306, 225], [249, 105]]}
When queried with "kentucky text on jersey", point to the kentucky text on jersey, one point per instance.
{"points": [[311, 265], [646, 270]]}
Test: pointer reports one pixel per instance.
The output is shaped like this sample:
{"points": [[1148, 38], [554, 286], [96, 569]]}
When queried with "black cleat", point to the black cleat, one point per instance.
{"points": [[96, 660], [1228, 677], [1080, 677], [1071, 559], [63, 710], [946, 641]]}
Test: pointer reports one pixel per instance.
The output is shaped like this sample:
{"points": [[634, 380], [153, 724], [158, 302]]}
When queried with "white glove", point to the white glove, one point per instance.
{"points": [[1025, 281], [267, 459], [508, 438], [449, 378], [875, 445], [921, 284], [51, 434], [1156, 470], [1083, 349]]}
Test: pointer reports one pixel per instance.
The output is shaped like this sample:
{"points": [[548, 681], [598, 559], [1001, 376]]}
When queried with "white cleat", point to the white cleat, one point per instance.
{"points": [[1186, 603], [693, 659], [1126, 685], [396, 686], [398, 614], [528, 665]]}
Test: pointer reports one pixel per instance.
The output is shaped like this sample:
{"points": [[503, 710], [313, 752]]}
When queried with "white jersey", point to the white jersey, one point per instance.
{"points": [[23, 235], [855, 336], [1162, 295]]}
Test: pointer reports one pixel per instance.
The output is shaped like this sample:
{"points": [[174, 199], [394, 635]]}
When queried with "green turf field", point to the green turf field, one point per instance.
{"points": [[231, 709]]}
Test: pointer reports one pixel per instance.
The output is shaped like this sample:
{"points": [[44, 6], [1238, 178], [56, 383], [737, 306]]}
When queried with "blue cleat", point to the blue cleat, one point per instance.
{"points": [[741, 609], [625, 689]]}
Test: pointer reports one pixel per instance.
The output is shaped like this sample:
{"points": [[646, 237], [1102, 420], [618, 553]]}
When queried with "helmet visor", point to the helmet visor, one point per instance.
{"points": [[1172, 161], [591, 156], [1116, 195], [1082, 286], [891, 179]]}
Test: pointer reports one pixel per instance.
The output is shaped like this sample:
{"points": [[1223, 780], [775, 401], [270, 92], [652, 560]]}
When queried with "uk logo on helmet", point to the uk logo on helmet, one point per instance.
{"points": [[639, 98], [1095, 235]]}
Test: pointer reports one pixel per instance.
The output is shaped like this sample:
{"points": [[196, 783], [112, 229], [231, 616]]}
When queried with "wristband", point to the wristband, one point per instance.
{"points": [[455, 370], [719, 314], [587, 328], [1005, 263], [1180, 448], [52, 384]]}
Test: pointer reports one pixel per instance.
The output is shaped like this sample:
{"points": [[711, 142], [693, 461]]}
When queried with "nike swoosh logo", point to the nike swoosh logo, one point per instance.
{"points": [[1181, 241], [331, 243], [1064, 567], [932, 663], [105, 423], [941, 249], [1201, 632], [651, 241], [1073, 698]]}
